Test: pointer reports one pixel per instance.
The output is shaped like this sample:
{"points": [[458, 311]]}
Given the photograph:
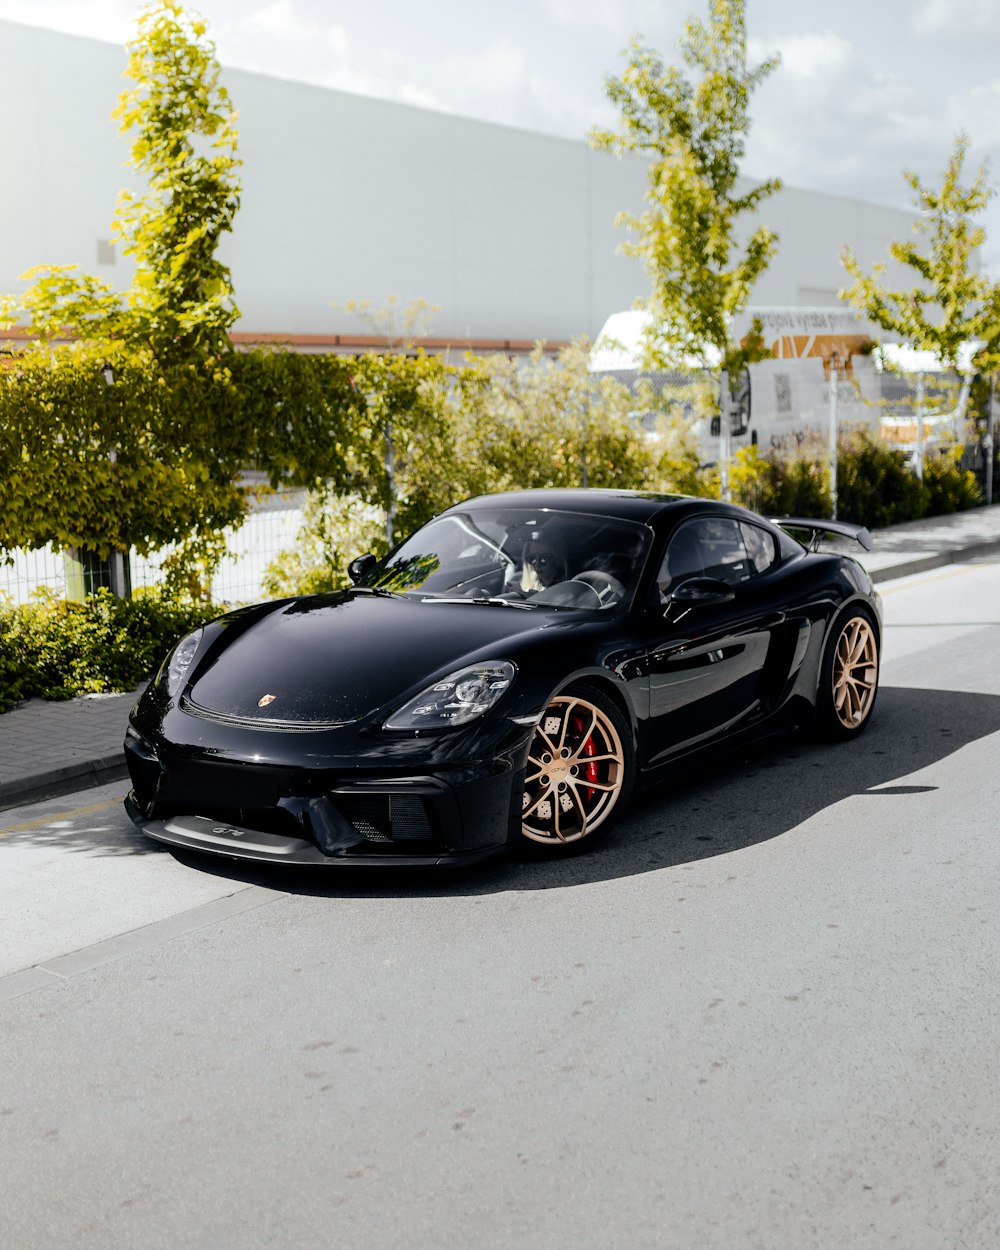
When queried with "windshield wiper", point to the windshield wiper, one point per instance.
{"points": [[373, 590], [491, 600]]}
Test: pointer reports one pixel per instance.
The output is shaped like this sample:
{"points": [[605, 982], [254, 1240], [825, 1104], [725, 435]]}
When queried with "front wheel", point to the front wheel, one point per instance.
{"points": [[581, 768], [849, 677]]}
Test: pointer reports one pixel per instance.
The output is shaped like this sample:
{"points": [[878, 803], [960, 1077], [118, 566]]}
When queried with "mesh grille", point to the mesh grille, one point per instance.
{"points": [[369, 814], [409, 819], [386, 818]]}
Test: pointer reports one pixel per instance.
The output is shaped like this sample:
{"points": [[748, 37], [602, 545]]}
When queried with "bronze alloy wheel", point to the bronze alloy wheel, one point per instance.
{"points": [[854, 679], [578, 770]]}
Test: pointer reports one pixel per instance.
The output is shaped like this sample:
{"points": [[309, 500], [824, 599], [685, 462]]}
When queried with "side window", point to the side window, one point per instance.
{"points": [[683, 558], [761, 547], [725, 555], [730, 551]]}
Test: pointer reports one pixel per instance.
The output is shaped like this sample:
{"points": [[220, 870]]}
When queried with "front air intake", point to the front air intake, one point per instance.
{"points": [[386, 818]]}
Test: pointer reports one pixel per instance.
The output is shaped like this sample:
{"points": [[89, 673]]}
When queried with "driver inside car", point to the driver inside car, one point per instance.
{"points": [[542, 565]]}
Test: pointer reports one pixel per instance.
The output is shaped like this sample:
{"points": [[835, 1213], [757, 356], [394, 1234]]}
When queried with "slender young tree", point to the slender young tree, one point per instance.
{"points": [[181, 300], [691, 122], [951, 301], [180, 304]]}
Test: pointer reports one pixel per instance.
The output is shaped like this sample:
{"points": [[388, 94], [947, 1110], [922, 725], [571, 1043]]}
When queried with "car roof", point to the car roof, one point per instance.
{"points": [[631, 505]]}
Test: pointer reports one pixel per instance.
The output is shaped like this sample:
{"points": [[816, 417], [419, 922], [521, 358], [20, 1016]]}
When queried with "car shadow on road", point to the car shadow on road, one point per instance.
{"points": [[717, 809]]}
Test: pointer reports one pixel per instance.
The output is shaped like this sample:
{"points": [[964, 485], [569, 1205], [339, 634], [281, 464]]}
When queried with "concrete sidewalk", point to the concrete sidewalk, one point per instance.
{"points": [[54, 748]]}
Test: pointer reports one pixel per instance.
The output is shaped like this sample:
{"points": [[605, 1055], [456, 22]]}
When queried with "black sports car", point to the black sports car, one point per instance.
{"points": [[504, 678]]}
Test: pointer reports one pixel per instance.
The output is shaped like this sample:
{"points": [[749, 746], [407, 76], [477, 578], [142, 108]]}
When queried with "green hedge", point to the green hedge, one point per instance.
{"points": [[55, 649], [875, 484]]}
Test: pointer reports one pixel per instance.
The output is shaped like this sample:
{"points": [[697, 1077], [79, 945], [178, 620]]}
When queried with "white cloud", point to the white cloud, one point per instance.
{"points": [[957, 17], [499, 69], [827, 120], [823, 119], [977, 111], [615, 23], [805, 55], [276, 38], [102, 19]]}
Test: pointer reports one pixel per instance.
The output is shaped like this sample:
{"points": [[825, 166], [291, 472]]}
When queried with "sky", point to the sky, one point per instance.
{"points": [[866, 88]]}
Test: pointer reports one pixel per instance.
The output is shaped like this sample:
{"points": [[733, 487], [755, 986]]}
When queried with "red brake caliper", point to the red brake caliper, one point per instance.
{"points": [[588, 748]]}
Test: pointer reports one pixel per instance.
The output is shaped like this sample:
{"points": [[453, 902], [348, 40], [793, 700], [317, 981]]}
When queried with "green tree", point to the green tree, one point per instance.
{"points": [[951, 301], [60, 300], [83, 464], [495, 424], [404, 451], [154, 458], [691, 123], [181, 299], [545, 422], [180, 304], [335, 529]]}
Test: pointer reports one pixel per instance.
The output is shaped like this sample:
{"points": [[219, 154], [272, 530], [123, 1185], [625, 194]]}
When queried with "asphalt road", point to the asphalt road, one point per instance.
{"points": [[763, 1015]]}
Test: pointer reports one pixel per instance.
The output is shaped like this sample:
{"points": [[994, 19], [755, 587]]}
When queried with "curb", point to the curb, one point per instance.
{"points": [[84, 775], [923, 564]]}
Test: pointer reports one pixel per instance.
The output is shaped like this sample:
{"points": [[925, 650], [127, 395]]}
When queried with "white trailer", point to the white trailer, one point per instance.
{"points": [[789, 393], [885, 389]]}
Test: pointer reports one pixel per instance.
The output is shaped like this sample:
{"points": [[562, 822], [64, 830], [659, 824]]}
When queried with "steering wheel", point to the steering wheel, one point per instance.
{"points": [[607, 588]]}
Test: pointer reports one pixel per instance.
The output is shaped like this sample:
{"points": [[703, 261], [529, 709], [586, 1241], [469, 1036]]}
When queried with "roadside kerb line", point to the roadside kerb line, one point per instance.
{"points": [[51, 972], [936, 560]]}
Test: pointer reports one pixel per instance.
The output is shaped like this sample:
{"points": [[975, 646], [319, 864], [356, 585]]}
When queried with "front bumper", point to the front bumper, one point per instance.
{"points": [[199, 833], [298, 813]]}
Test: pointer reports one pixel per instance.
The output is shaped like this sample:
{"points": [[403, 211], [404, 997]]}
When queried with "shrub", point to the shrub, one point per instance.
{"points": [[950, 488], [875, 484], [780, 485], [55, 649], [335, 529]]}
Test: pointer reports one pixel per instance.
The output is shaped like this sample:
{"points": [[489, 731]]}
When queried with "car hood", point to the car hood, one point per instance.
{"points": [[333, 659]]}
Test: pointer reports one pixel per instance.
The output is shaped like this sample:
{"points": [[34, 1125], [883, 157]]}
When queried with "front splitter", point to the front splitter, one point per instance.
{"points": [[212, 837]]}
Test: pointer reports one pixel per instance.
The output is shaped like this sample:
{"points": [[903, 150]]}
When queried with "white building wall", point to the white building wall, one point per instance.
{"points": [[510, 233]]}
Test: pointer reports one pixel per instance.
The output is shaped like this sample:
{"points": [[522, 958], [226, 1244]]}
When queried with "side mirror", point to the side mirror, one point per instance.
{"points": [[700, 592], [358, 567]]}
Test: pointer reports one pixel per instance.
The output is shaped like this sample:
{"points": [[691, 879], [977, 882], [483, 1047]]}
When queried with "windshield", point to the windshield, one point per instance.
{"points": [[519, 557]]}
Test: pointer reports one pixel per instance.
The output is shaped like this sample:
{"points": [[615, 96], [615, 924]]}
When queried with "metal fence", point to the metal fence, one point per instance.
{"points": [[31, 571], [270, 529]]}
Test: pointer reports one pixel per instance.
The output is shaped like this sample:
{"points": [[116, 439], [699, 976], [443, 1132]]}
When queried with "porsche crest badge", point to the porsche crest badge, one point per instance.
{"points": [[266, 699]]}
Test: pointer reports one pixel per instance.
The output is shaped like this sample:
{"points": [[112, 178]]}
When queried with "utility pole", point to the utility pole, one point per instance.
{"points": [[725, 428], [389, 464], [584, 442], [119, 581], [920, 426], [834, 379], [988, 440]]}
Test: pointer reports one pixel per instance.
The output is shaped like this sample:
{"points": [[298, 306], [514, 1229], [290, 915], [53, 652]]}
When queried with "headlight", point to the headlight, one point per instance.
{"points": [[180, 661], [456, 699]]}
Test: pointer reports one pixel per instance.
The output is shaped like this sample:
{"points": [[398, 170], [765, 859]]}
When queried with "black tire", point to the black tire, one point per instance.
{"points": [[579, 776], [848, 683]]}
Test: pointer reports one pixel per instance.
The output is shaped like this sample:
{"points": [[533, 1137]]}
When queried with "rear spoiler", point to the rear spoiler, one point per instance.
{"points": [[817, 528]]}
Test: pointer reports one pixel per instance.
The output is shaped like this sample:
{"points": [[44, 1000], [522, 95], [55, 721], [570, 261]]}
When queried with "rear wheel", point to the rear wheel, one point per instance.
{"points": [[849, 678], [581, 768]]}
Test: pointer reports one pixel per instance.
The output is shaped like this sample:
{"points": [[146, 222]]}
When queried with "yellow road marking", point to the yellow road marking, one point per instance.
{"points": [[39, 821]]}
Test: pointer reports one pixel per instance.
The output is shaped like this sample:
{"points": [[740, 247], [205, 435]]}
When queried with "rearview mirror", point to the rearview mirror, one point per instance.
{"points": [[358, 567]]}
